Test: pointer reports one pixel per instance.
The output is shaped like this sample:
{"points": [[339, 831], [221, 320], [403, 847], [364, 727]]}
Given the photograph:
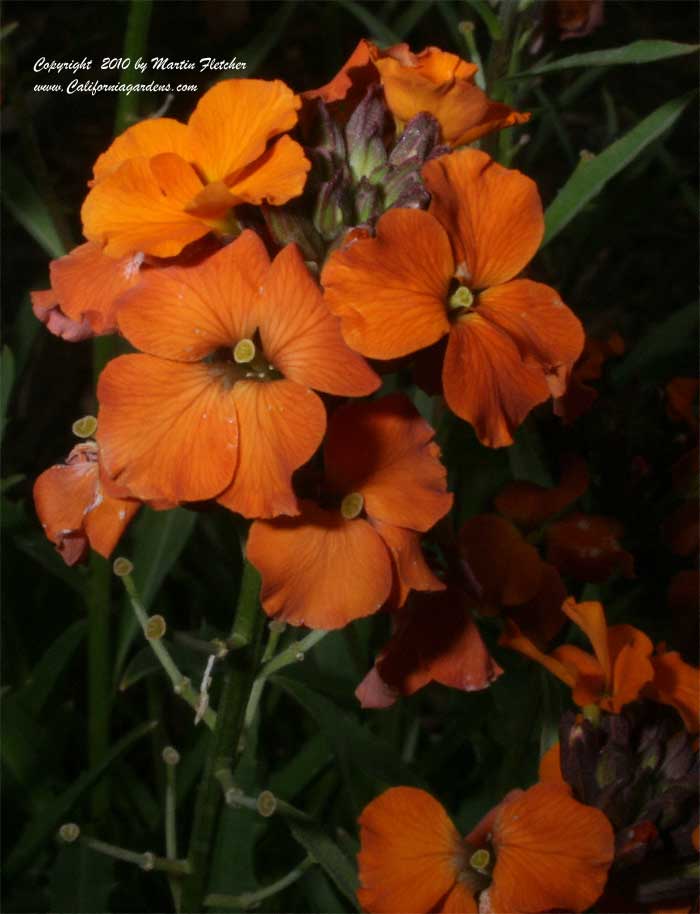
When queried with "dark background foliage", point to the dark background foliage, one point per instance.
{"points": [[627, 263]]}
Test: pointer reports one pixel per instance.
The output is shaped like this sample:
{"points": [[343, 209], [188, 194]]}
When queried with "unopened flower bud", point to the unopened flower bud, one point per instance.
{"points": [[419, 138], [289, 224], [367, 202], [332, 210], [364, 134]]}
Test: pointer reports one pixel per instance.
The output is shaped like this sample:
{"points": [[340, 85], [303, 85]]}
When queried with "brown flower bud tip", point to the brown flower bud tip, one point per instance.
{"points": [[267, 804], [170, 756], [69, 832], [85, 427], [352, 505], [155, 628], [122, 567], [480, 861], [244, 351]]}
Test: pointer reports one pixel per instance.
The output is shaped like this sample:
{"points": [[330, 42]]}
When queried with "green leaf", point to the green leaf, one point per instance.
{"points": [[653, 356], [28, 208], [376, 28], [7, 378], [410, 17], [300, 770], [490, 19], [267, 39], [48, 670], [80, 881], [591, 176], [328, 855], [37, 831], [637, 52]]}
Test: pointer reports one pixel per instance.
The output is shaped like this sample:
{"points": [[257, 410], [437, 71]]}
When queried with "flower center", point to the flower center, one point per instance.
{"points": [[461, 299], [244, 352], [480, 861], [352, 505], [245, 361]]}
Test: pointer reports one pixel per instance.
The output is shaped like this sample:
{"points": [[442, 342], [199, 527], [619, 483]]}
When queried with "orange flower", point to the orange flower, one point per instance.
{"points": [[677, 683], [341, 559], [78, 505], [85, 287], [613, 676], [433, 80], [450, 271], [163, 184], [511, 578], [682, 401], [580, 395], [537, 850], [587, 548], [435, 640], [220, 405], [530, 505]]}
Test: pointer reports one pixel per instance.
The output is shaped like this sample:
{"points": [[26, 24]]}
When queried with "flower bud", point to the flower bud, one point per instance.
{"points": [[332, 211], [364, 134], [419, 138], [289, 224]]}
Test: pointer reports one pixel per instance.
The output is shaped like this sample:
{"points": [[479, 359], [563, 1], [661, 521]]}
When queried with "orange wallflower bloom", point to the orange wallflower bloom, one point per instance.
{"points": [[344, 558], [435, 640], [220, 405], [677, 683], [85, 288], [538, 849], [433, 80], [450, 271], [530, 505], [78, 505], [613, 676], [587, 547], [163, 184]]}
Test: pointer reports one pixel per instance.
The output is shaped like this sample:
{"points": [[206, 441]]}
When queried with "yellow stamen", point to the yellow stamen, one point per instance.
{"points": [[244, 351], [480, 860], [352, 505], [462, 298], [85, 427]]}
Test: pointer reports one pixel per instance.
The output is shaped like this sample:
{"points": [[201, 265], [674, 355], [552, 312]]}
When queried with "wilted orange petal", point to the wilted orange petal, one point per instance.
{"points": [[318, 569], [486, 381], [551, 852], [590, 618], [630, 652], [492, 214], [529, 504], [507, 568], [384, 450], [677, 683], [63, 495], [587, 548], [358, 68], [302, 338], [47, 310], [108, 521], [390, 292], [148, 138], [537, 321], [410, 853], [281, 424], [277, 176], [233, 121], [87, 284], [513, 638], [141, 207], [411, 572], [185, 313], [166, 429]]}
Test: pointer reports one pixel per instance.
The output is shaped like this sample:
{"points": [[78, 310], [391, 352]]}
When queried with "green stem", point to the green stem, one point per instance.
{"points": [[171, 829], [248, 899], [99, 691], [181, 684], [259, 684], [134, 46], [241, 669], [294, 653], [147, 860]]}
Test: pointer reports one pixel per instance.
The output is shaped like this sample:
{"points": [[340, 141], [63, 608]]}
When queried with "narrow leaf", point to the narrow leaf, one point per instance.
{"points": [[663, 344], [328, 855], [637, 52], [591, 176], [49, 669], [375, 26], [28, 208]]}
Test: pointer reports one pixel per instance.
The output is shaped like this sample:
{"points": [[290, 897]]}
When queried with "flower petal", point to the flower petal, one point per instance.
{"points": [[513, 638], [318, 569], [166, 429], [233, 121], [411, 571], [105, 524], [589, 683], [390, 292], [677, 683], [630, 653], [62, 496], [538, 322], [551, 852], [184, 313], [357, 73], [587, 548], [141, 207], [492, 214], [87, 284], [276, 177], [302, 338], [486, 381], [529, 505], [590, 618], [384, 449], [410, 853], [459, 901], [150, 137], [281, 425]]}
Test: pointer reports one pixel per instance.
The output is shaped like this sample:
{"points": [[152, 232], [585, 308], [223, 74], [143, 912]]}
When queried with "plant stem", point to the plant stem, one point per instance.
{"points": [[248, 899], [99, 692], [146, 861], [171, 830], [181, 684], [241, 669], [293, 653]]}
